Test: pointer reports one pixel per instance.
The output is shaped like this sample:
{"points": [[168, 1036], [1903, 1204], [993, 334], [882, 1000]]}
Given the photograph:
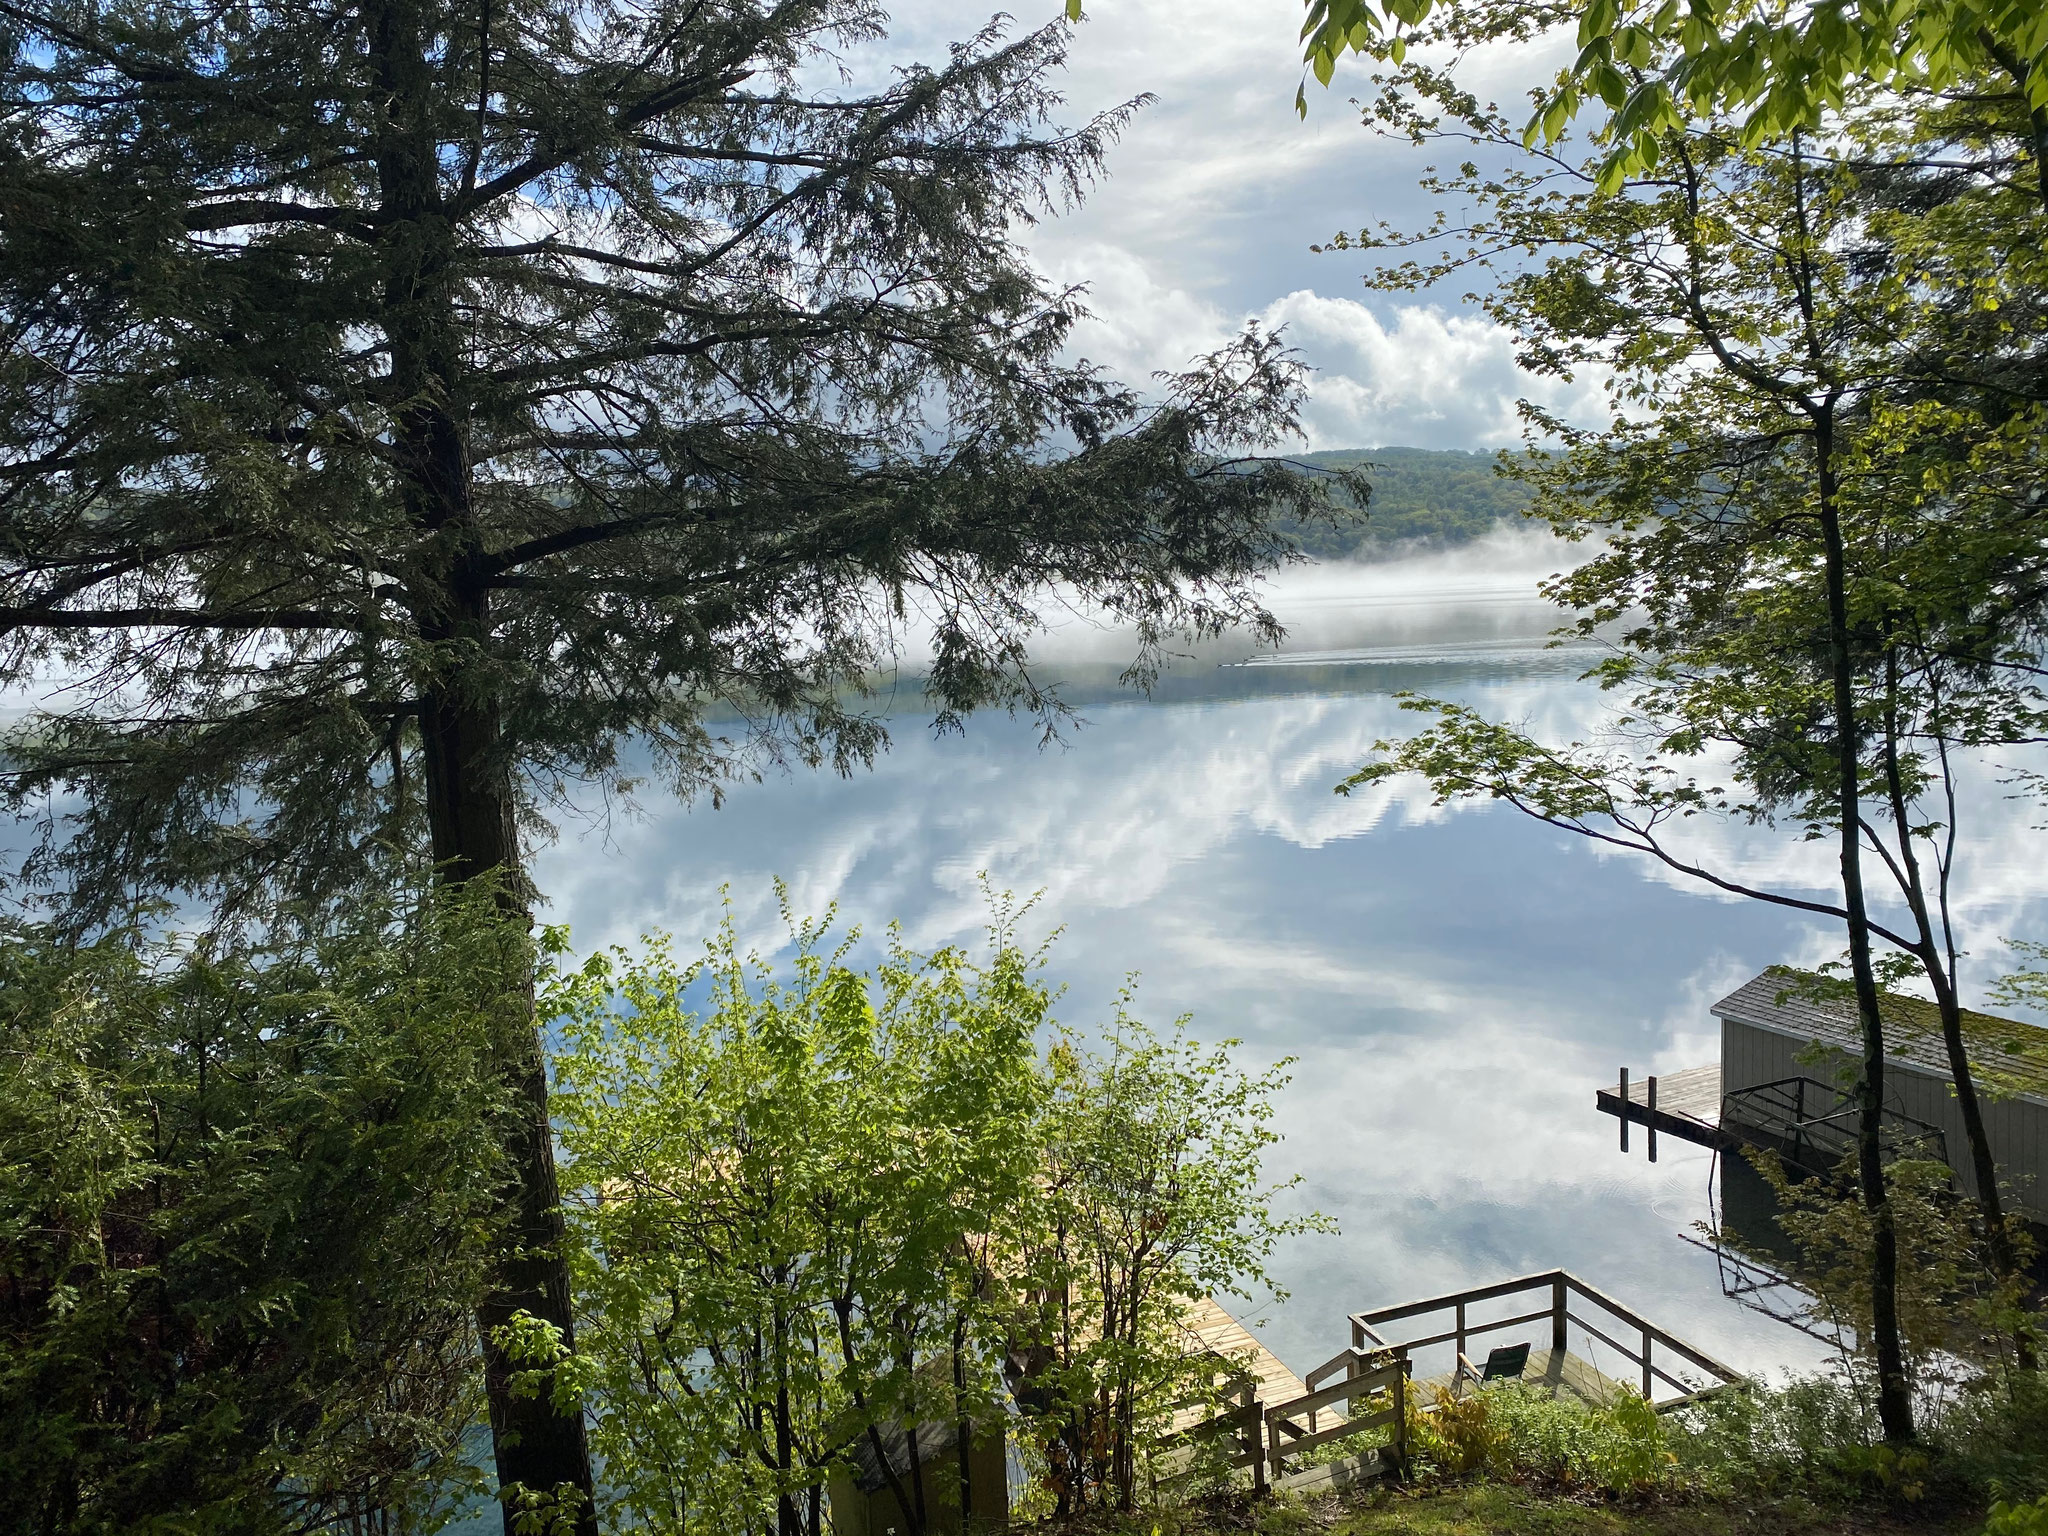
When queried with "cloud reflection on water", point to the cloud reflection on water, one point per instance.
{"points": [[1453, 982]]}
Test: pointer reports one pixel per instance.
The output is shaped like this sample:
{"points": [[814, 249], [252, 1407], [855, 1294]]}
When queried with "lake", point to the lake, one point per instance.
{"points": [[1453, 983]]}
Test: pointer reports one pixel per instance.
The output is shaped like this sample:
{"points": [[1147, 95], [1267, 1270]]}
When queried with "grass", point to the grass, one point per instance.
{"points": [[1496, 1509]]}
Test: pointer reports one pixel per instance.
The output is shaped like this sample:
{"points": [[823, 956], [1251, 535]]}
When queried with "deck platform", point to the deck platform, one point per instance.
{"points": [[1372, 1377], [1556, 1373], [1208, 1327], [1688, 1106]]}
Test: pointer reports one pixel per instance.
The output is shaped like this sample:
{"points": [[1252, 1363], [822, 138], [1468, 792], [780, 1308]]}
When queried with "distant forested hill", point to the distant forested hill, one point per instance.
{"points": [[1419, 495]]}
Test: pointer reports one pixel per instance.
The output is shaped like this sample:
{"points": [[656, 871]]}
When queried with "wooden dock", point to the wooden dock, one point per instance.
{"points": [[1685, 1104], [1210, 1329], [1553, 1372]]}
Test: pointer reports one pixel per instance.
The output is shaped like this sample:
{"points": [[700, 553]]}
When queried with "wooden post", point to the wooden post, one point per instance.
{"points": [[1647, 1384], [1275, 1447], [1261, 1432], [1399, 1440], [1461, 1340], [1557, 1317], [1650, 1113], [1624, 1109]]}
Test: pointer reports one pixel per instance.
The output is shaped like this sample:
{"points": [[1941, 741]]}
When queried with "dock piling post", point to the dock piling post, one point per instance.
{"points": [[1624, 1109], [1399, 1439], [1557, 1317], [1461, 1339], [1650, 1112], [1648, 1386]]}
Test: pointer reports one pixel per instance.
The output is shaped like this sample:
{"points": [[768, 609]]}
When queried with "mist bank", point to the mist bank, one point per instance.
{"points": [[1346, 622], [1349, 625]]}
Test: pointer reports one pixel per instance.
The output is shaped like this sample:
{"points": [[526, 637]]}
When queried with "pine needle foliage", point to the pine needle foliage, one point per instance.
{"points": [[444, 390], [248, 1201], [409, 403]]}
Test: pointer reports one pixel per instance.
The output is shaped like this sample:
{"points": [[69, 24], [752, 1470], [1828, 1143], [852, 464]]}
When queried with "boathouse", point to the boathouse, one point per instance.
{"points": [[1790, 1054], [1777, 1028]]}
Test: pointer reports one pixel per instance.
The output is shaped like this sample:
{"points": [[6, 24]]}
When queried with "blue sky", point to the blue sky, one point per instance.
{"points": [[1218, 190]]}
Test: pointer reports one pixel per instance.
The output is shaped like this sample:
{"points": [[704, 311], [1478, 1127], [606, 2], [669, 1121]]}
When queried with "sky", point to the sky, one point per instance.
{"points": [[1216, 193]]}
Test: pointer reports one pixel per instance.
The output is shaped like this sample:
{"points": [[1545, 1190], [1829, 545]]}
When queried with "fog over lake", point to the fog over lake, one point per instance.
{"points": [[1453, 982]]}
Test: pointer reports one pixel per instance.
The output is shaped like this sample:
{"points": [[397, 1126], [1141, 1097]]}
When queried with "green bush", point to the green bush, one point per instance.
{"points": [[1509, 1430], [1772, 1439], [247, 1200], [809, 1205], [1992, 1441], [2018, 1519]]}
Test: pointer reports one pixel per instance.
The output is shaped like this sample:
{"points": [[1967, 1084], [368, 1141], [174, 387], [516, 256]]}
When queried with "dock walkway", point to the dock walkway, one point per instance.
{"points": [[1210, 1329], [1688, 1106], [1553, 1372]]}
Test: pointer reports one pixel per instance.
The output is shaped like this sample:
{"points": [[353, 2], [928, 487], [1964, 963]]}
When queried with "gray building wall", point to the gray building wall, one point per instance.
{"points": [[2017, 1127]]}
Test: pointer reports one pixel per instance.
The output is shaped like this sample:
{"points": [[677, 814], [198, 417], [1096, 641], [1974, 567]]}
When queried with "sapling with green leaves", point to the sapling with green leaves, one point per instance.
{"points": [[1154, 1195], [831, 1208], [794, 1214]]}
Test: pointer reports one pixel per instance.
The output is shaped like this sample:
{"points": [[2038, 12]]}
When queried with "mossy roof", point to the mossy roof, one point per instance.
{"points": [[2010, 1054]]}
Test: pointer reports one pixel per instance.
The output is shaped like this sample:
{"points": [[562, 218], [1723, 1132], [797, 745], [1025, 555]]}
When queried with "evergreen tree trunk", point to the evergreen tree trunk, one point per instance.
{"points": [[1894, 1402], [469, 787], [470, 805]]}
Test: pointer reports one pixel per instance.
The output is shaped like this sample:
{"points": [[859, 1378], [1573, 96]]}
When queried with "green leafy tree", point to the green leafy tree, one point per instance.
{"points": [[248, 1204], [1656, 67], [844, 1212], [1820, 571], [408, 403], [1154, 1196], [794, 1205]]}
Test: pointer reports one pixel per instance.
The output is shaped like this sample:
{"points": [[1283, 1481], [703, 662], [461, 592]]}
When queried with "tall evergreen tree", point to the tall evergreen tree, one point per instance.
{"points": [[407, 401]]}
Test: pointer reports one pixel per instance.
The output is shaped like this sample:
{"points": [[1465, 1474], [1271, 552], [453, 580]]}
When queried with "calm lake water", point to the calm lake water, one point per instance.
{"points": [[1452, 983]]}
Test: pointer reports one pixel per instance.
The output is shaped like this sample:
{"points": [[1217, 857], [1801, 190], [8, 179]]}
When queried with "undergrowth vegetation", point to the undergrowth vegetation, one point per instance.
{"points": [[1806, 1455], [1509, 1430]]}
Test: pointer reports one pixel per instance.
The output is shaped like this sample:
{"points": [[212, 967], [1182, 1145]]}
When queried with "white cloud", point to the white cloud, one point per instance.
{"points": [[1217, 191], [1430, 380], [1417, 376]]}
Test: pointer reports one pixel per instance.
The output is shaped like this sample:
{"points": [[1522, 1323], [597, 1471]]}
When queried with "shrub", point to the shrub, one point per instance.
{"points": [[1772, 1439], [246, 1214], [1818, 1434], [2018, 1519], [1992, 1440], [1506, 1429], [813, 1205], [788, 1198]]}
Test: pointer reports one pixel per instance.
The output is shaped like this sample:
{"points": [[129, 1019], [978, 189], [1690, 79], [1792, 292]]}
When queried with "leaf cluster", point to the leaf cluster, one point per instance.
{"points": [[1662, 66]]}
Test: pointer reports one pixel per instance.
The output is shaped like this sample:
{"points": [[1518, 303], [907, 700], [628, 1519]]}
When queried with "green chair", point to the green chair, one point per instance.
{"points": [[1504, 1364]]}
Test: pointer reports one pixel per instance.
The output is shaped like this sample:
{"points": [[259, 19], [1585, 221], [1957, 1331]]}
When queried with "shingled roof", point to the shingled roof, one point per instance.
{"points": [[1808, 1007]]}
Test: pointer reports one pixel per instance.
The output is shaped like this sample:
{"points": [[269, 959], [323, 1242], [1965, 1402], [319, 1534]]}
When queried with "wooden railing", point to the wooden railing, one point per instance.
{"points": [[1560, 1288], [1371, 1378], [1262, 1436], [1374, 1379]]}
